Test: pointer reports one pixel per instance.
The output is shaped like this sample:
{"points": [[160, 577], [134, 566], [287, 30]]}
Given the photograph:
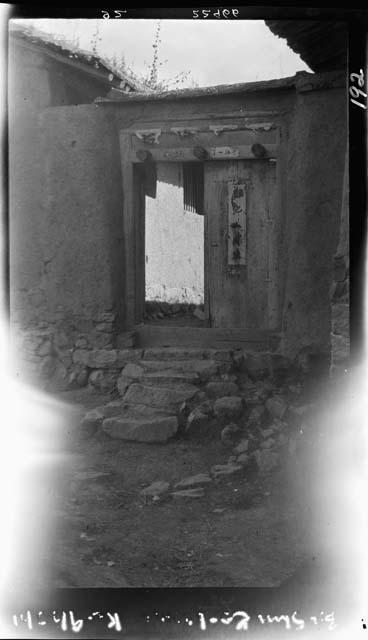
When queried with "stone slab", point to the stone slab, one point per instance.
{"points": [[194, 481], [173, 353], [188, 493], [198, 423], [123, 356], [226, 470], [276, 407], [156, 488], [170, 378], [96, 358], [160, 397], [204, 368], [242, 447], [144, 429], [221, 388], [229, 407], [139, 410], [267, 460], [106, 358]]}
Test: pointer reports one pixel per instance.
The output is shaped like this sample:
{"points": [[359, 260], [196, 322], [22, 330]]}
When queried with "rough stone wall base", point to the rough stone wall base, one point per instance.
{"points": [[44, 354]]}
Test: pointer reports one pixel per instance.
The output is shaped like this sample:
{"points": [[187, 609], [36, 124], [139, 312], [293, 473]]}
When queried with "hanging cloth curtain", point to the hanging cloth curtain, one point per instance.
{"points": [[193, 187]]}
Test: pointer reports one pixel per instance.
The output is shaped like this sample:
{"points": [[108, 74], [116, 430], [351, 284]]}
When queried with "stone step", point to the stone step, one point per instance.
{"points": [[203, 337], [193, 365], [106, 358], [139, 410], [126, 340], [191, 354], [191, 371], [166, 398], [170, 378], [120, 408], [204, 368], [141, 429], [164, 375]]}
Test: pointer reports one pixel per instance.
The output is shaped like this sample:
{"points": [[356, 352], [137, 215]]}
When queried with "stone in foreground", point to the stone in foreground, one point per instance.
{"points": [[268, 444], [257, 415], [141, 429], [161, 397], [276, 407], [170, 378], [189, 493], [173, 353], [229, 407], [267, 460], [257, 365], [156, 488], [198, 423], [94, 418], [229, 435], [221, 388], [242, 447], [204, 368], [103, 380], [90, 475], [193, 481], [92, 421], [221, 470], [243, 459]]}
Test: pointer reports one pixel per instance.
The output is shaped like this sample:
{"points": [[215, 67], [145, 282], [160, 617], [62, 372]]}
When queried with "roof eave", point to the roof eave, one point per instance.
{"points": [[181, 94], [101, 74]]}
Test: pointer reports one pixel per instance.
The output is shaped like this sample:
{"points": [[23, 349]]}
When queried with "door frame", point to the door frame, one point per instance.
{"points": [[180, 150]]}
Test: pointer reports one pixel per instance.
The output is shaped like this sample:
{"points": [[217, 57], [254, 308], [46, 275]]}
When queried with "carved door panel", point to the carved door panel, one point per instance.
{"points": [[241, 244]]}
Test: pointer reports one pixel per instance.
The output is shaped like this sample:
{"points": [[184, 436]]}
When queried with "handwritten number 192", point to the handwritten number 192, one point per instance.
{"points": [[358, 94]]}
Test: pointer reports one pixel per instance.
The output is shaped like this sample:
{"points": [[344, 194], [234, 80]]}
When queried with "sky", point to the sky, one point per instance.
{"points": [[214, 52]]}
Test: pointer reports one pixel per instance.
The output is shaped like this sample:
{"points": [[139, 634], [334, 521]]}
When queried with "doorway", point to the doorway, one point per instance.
{"points": [[174, 247], [188, 270]]}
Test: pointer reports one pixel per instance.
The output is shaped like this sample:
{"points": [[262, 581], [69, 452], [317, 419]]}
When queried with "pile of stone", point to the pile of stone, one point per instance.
{"points": [[246, 400], [258, 440], [256, 433]]}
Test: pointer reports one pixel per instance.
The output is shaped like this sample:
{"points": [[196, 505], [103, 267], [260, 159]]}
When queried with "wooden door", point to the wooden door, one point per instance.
{"points": [[241, 275]]}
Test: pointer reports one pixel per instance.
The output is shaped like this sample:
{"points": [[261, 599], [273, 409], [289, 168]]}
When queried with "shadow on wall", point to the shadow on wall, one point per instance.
{"points": [[175, 238]]}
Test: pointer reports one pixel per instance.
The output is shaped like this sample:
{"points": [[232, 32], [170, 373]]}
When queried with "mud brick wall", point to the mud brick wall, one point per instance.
{"points": [[67, 242], [67, 251], [65, 209], [315, 172]]}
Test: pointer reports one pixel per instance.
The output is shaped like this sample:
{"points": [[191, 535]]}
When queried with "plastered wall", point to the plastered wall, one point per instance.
{"points": [[314, 177], [67, 253], [65, 211]]}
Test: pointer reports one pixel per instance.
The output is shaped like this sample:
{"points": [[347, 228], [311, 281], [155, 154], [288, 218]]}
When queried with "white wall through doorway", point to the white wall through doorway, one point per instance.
{"points": [[174, 250]]}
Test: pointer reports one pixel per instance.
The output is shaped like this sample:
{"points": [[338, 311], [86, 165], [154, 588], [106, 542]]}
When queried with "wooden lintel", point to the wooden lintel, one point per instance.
{"points": [[185, 154]]}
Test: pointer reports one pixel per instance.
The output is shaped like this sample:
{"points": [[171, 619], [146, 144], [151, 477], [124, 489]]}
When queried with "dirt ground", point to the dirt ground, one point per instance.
{"points": [[247, 531]]}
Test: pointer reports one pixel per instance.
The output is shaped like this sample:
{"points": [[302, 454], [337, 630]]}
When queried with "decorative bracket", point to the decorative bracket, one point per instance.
{"points": [[184, 132], [218, 129], [149, 136], [260, 126]]}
